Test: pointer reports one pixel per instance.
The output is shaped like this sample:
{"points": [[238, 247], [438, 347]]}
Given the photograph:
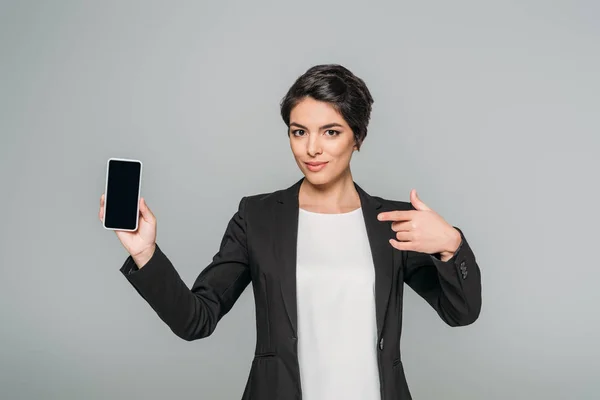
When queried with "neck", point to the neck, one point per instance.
{"points": [[336, 196]]}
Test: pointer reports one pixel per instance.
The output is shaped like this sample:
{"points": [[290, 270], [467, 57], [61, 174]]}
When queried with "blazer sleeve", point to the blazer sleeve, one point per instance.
{"points": [[452, 287], [194, 313]]}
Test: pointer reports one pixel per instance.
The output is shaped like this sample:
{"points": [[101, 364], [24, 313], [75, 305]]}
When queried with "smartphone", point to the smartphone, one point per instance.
{"points": [[122, 194]]}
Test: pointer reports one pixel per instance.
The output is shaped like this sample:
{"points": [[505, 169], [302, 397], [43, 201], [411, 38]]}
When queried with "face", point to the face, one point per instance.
{"points": [[321, 141]]}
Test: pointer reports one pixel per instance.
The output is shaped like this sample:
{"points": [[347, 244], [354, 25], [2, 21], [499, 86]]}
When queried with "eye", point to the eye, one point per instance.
{"points": [[296, 132], [334, 132]]}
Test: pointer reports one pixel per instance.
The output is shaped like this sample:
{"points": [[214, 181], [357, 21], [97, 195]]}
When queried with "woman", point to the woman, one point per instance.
{"points": [[326, 260]]}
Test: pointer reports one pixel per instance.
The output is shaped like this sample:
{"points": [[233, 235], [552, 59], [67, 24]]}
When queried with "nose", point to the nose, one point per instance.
{"points": [[313, 146]]}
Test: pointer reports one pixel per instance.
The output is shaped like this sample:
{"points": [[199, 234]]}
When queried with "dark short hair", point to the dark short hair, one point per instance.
{"points": [[334, 84]]}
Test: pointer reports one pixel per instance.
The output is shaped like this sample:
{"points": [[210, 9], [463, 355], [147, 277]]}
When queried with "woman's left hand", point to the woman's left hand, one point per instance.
{"points": [[422, 230]]}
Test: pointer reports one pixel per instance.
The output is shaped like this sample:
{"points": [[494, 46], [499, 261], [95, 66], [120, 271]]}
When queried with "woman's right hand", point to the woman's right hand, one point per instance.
{"points": [[140, 244]]}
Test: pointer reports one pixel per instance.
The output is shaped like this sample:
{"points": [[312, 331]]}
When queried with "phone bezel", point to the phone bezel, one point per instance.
{"points": [[137, 217]]}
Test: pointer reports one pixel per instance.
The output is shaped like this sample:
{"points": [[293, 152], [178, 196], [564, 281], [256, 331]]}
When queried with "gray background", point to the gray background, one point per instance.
{"points": [[489, 109]]}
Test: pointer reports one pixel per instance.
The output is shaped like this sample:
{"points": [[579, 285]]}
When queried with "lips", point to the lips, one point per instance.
{"points": [[315, 166]]}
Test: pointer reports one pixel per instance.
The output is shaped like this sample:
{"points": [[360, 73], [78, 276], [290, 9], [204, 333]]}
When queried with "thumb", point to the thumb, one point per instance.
{"points": [[145, 210], [416, 201]]}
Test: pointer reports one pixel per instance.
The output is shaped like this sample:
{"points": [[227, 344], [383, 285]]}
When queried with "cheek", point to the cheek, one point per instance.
{"points": [[295, 149], [340, 151]]}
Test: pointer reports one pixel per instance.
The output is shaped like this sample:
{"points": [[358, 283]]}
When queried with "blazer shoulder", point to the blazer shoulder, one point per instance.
{"points": [[262, 198], [258, 202], [392, 205]]}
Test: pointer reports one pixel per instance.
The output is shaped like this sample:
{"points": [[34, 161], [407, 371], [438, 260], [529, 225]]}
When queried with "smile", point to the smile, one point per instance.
{"points": [[315, 167]]}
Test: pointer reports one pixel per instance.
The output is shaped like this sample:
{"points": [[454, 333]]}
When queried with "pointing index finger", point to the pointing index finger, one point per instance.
{"points": [[395, 216]]}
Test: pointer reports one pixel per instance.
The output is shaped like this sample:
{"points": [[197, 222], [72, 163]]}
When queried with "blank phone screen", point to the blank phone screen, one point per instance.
{"points": [[122, 194]]}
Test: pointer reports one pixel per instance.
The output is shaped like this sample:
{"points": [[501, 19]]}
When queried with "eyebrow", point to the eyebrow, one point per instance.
{"points": [[327, 126]]}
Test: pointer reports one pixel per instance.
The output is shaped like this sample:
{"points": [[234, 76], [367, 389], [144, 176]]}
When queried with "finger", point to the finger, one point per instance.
{"points": [[405, 236], [417, 202], [402, 226], [145, 210], [101, 212], [402, 245], [396, 215]]}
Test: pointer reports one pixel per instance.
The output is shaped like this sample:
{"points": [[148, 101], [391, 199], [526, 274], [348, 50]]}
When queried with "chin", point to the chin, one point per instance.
{"points": [[317, 179]]}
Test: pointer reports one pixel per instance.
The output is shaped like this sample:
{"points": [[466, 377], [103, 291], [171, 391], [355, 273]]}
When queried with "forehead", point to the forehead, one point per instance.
{"points": [[311, 111]]}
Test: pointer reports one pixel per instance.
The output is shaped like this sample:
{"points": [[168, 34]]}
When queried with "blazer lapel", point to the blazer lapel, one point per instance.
{"points": [[287, 238], [287, 233], [379, 233]]}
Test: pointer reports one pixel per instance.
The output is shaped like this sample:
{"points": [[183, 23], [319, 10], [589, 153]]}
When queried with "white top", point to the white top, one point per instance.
{"points": [[337, 331]]}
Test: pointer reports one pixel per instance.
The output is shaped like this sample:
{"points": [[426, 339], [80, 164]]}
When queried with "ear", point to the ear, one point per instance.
{"points": [[357, 143]]}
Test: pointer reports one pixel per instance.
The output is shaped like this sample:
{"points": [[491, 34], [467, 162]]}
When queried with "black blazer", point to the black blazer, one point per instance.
{"points": [[259, 246]]}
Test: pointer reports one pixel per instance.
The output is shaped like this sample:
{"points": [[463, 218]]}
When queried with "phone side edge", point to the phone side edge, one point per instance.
{"points": [[137, 216], [106, 195]]}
